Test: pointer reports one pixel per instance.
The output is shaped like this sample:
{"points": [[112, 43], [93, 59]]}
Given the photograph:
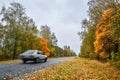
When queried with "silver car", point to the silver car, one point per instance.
{"points": [[32, 55]]}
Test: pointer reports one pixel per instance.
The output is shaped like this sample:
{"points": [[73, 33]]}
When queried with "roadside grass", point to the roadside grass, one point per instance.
{"points": [[10, 61], [78, 69], [14, 61]]}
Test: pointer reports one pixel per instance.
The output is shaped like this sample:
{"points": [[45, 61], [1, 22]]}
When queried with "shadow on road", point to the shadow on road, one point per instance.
{"points": [[32, 62]]}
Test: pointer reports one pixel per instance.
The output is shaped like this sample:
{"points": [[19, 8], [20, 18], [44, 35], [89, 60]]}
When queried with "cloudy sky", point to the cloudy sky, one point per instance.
{"points": [[62, 16]]}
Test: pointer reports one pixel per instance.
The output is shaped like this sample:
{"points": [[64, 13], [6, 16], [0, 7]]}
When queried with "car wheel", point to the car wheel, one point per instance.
{"points": [[37, 60], [24, 61], [45, 59]]}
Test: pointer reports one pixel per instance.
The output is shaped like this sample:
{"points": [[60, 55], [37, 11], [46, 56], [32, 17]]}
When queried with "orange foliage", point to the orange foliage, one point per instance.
{"points": [[106, 15], [103, 34], [45, 48]]}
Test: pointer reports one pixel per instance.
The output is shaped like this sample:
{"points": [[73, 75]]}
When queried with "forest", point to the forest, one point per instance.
{"points": [[99, 39], [18, 33], [100, 33]]}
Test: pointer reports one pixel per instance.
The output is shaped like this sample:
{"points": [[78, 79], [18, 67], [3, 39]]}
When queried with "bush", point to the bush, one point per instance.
{"points": [[115, 59]]}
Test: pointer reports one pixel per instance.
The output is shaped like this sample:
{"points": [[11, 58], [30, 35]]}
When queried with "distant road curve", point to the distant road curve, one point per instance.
{"points": [[15, 69]]}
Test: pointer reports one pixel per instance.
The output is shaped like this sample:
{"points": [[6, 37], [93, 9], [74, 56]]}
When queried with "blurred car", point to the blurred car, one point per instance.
{"points": [[32, 55]]}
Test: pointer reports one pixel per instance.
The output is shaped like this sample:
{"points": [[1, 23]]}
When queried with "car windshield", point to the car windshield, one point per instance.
{"points": [[29, 52]]}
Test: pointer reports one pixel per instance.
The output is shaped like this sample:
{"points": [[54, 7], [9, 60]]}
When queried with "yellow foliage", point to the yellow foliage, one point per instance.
{"points": [[37, 45], [104, 54], [78, 69], [52, 49]]}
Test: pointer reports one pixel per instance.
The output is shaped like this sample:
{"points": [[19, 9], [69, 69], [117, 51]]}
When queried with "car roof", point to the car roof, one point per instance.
{"points": [[34, 50]]}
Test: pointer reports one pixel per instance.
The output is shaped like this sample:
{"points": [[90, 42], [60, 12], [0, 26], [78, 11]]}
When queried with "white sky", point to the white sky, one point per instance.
{"points": [[62, 16]]}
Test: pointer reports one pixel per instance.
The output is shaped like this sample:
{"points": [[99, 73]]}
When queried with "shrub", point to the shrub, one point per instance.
{"points": [[115, 59]]}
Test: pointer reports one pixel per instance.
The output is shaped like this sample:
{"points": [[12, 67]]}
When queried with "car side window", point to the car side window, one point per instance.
{"points": [[41, 53], [38, 53]]}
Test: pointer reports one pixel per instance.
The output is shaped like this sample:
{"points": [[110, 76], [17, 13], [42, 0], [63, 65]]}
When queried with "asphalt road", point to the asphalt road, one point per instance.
{"points": [[16, 69]]}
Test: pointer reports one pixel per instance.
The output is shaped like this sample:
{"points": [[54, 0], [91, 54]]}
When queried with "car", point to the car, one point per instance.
{"points": [[32, 55]]}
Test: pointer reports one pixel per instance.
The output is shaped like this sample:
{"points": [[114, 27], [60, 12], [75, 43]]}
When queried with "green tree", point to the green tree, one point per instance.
{"points": [[19, 30], [12, 17], [87, 35], [87, 48], [68, 52], [54, 39]]}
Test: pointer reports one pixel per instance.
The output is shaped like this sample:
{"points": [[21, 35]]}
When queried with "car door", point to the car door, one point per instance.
{"points": [[42, 55], [39, 55]]}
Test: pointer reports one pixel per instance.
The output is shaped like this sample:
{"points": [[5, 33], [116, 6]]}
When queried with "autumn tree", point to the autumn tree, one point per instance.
{"points": [[50, 37], [46, 33], [96, 9], [104, 35], [107, 33], [45, 48]]}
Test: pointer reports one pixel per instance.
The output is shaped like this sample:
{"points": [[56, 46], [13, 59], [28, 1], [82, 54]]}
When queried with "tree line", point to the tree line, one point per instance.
{"points": [[18, 33], [100, 33]]}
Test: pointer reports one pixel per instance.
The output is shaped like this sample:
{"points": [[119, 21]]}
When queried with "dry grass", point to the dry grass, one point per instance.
{"points": [[10, 61], [14, 61], [79, 69]]}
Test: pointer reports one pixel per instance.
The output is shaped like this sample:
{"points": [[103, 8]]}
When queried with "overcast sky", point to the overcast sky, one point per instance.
{"points": [[62, 16]]}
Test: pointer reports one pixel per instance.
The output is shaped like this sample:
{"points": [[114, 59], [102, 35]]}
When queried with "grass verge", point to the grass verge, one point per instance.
{"points": [[78, 69], [10, 61], [14, 61]]}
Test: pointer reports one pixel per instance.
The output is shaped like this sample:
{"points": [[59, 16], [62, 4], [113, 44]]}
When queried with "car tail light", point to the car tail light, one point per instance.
{"points": [[31, 56]]}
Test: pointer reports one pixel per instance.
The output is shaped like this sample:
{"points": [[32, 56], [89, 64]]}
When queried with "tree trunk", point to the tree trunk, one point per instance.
{"points": [[15, 50]]}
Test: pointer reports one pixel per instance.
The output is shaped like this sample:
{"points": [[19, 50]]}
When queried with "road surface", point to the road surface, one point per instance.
{"points": [[16, 69]]}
